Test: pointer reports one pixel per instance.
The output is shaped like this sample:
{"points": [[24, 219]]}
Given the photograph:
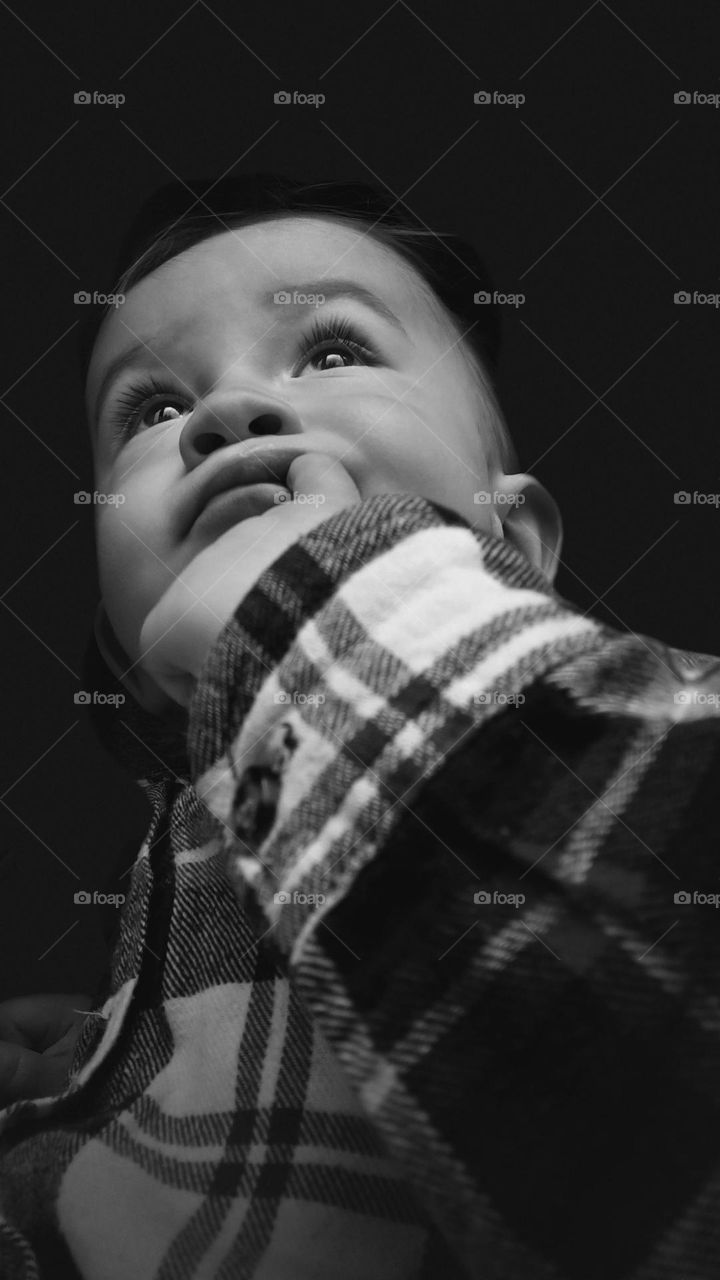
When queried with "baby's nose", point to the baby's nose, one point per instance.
{"points": [[228, 418]]}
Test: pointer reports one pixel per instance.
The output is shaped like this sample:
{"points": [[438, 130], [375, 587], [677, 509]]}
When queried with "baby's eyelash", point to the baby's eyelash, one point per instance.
{"points": [[325, 333], [327, 330], [126, 410]]}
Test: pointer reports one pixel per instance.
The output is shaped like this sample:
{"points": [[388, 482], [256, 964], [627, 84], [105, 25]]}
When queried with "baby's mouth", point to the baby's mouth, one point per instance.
{"points": [[237, 479], [237, 503]]}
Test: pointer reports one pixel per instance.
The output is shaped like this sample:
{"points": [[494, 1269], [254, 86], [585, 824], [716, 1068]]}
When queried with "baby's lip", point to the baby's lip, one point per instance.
{"points": [[232, 465]]}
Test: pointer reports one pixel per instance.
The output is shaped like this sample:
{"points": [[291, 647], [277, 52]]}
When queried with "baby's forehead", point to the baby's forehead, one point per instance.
{"points": [[285, 253], [225, 283]]}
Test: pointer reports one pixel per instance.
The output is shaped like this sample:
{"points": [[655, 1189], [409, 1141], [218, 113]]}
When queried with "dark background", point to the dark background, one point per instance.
{"points": [[598, 199]]}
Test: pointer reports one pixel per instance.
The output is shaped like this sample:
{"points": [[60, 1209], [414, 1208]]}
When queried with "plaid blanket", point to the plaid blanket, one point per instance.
{"points": [[417, 973]]}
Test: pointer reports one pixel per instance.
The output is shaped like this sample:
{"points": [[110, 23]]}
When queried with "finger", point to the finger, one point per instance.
{"points": [[38, 1021], [322, 477]]}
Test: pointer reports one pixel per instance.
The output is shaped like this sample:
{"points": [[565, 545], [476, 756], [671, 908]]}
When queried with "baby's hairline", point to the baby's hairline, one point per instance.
{"points": [[411, 275]]}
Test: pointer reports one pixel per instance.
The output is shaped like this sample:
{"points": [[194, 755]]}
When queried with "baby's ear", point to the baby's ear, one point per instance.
{"points": [[130, 675], [531, 521]]}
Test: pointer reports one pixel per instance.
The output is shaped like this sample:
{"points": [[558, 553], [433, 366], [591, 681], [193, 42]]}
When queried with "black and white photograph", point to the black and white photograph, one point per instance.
{"points": [[359, 879]]}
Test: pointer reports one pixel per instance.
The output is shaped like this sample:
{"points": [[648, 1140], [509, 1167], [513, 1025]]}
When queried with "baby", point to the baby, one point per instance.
{"points": [[402, 986], [310, 333]]}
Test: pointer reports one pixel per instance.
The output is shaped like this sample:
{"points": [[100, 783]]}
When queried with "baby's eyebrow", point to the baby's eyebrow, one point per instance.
{"points": [[335, 288]]}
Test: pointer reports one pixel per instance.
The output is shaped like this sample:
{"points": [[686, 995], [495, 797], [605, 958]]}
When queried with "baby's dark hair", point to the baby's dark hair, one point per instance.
{"points": [[182, 214]]}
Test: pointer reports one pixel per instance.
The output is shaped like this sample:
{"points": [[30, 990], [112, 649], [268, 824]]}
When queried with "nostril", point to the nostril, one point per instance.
{"points": [[266, 424], [207, 442]]}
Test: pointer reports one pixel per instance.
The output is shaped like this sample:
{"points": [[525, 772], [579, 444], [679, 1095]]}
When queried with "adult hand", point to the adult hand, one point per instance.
{"points": [[181, 628], [37, 1040]]}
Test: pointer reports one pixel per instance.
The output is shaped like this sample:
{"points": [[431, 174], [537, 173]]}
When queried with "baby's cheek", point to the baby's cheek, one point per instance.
{"points": [[130, 583]]}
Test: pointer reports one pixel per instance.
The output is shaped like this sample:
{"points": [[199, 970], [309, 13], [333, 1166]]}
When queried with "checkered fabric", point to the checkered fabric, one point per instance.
{"points": [[417, 975]]}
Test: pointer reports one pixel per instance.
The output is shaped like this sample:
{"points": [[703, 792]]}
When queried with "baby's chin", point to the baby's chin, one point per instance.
{"points": [[148, 693], [120, 644]]}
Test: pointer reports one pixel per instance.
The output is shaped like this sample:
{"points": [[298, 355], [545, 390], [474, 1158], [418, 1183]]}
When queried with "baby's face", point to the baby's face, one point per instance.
{"points": [[406, 416]]}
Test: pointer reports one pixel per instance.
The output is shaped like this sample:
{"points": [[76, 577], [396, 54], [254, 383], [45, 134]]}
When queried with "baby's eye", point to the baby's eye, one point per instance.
{"points": [[141, 402], [340, 351], [335, 338], [160, 408]]}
